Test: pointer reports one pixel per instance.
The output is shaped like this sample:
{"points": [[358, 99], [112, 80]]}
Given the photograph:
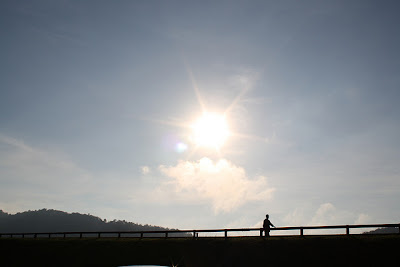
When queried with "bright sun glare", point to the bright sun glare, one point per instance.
{"points": [[210, 130]]}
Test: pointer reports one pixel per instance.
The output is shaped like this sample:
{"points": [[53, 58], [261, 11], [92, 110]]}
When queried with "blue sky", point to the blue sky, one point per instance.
{"points": [[95, 97]]}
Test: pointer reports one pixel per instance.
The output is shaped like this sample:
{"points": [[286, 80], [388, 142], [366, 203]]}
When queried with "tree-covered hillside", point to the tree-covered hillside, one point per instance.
{"points": [[48, 220], [385, 230]]}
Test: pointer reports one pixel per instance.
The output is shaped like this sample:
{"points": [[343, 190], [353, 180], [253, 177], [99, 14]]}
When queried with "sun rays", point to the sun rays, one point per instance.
{"points": [[210, 132]]}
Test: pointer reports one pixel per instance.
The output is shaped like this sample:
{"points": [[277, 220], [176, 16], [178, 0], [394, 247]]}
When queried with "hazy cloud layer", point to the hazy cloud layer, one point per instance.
{"points": [[24, 163], [223, 183], [325, 214], [33, 177]]}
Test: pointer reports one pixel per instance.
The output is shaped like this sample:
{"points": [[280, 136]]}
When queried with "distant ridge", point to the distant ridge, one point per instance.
{"points": [[385, 230], [49, 220]]}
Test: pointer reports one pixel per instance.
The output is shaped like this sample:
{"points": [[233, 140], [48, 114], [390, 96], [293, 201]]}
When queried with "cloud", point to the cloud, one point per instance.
{"points": [[145, 169], [14, 143], [223, 183], [30, 164], [32, 177], [326, 214], [19, 157], [363, 219]]}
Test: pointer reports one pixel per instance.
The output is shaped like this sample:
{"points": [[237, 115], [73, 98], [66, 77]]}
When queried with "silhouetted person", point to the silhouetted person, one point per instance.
{"points": [[266, 225]]}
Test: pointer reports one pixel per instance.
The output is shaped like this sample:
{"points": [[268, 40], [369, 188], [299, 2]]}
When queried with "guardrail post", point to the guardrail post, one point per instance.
{"points": [[261, 232], [35, 235], [98, 235], [49, 235], [119, 235], [80, 235], [141, 235], [166, 234], [347, 230], [194, 234], [301, 231], [226, 233], [65, 235]]}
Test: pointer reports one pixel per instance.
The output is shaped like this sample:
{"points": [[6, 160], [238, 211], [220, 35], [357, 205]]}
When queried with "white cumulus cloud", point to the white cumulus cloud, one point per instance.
{"points": [[145, 169], [223, 183]]}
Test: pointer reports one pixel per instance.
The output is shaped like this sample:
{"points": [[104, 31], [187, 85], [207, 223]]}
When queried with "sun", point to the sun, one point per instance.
{"points": [[210, 130]]}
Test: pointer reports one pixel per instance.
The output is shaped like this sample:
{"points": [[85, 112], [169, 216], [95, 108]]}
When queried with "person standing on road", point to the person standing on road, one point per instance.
{"points": [[266, 225]]}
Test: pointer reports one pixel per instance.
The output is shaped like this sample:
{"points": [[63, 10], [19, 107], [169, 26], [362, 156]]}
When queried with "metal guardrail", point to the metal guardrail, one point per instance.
{"points": [[189, 233]]}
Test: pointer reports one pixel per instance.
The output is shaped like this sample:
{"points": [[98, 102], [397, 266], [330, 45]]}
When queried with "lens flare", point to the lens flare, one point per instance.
{"points": [[181, 147]]}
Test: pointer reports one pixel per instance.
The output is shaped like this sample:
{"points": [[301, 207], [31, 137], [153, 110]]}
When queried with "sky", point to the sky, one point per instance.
{"points": [[101, 102]]}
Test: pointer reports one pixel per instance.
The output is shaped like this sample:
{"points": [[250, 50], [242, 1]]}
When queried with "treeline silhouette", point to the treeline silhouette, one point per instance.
{"points": [[49, 220], [385, 230]]}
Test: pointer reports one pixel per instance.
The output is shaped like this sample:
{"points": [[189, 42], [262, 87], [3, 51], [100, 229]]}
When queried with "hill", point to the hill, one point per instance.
{"points": [[385, 230], [48, 220]]}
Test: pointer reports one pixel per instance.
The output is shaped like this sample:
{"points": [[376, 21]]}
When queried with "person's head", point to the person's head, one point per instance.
{"points": [[267, 216]]}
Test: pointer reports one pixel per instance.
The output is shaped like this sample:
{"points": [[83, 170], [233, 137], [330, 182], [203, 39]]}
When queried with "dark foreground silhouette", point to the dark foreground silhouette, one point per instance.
{"points": [[357, 250], [267, 225]]}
